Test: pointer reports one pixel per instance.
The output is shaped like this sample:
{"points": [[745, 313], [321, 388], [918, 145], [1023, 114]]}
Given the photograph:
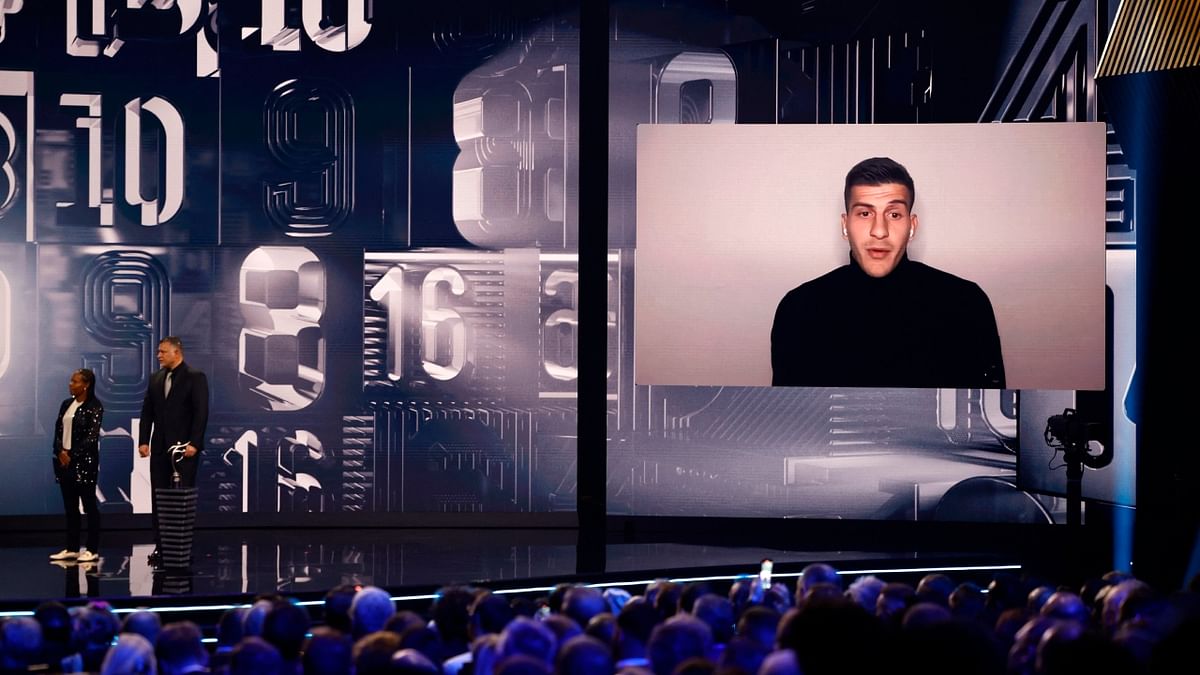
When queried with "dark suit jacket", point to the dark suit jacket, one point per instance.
{"points": [[180, 417], [85, 442]]}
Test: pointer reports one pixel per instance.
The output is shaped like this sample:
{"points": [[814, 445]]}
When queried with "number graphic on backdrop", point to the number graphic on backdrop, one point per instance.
{"points": [[107, 41], [11, 185], [10, 7], [96, 199], [166, 204], [443, 334], [5, 323], [298, 458], [509, 187], [317, 24], [281, 349], [78, 46], [15, 180], [171, 192], [443, 331], [561, 326], [310, 132], [389, 292], [126, 296]]}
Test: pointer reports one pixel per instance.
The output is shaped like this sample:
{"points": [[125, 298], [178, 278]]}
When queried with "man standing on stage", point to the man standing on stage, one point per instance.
{"points": [[176, 407]]}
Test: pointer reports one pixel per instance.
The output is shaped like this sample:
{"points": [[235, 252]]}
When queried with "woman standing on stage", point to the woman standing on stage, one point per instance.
{"points": [[77, 462]]}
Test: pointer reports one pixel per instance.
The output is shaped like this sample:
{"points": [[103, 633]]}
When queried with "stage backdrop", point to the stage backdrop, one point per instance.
{"points": [[360, 217]]}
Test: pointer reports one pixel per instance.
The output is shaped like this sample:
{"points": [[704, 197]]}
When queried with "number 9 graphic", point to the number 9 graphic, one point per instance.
{"points": [[126, 306], [318, 194]]}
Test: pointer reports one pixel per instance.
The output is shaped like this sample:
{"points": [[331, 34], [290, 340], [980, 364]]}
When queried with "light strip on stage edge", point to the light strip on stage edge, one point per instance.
{"points": [[606, 584], [735, 577]]}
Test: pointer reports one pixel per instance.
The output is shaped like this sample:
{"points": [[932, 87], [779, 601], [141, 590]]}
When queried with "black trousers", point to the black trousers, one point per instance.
{"points": [[160, 477], [73, 494]]}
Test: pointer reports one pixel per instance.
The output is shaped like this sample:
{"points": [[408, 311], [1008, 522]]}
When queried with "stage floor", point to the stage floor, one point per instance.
{"points": [[306, 563]]}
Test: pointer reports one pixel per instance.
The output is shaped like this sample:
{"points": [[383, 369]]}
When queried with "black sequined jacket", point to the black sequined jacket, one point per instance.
{"points": [[85, 442]]}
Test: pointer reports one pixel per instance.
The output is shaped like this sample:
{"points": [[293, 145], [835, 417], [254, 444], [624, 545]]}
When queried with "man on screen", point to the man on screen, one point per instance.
{"points": [[884, 320]]}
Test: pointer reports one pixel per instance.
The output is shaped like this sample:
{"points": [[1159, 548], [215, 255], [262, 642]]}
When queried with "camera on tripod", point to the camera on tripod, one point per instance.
{"points": [[1069, 433]]}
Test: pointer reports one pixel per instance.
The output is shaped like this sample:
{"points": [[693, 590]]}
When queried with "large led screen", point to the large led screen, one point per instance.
{"points": [[732, 218], [360, 217], [731, 132]]}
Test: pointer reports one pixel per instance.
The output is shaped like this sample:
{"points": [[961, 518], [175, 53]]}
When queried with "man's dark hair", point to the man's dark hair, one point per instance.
{"points": [[832, 636], [490, 613], [759, 624], [692, 591], [581, 603], [179, 647], [584, 655], [879, 171], [637, 620], [451, 615], [373, 653], [717, 612], [522, 664], [528, 637], [147, 624], [563, 627], [174, 341], [285, 628], [555, 600], [20, 643], [55, 621], [678, 639], [744, 655], [935, 588], [337, 607], [603, 627], [328, 652], [402, 621], [229, 628], [255, 656], [95, 628], [425, 640]]}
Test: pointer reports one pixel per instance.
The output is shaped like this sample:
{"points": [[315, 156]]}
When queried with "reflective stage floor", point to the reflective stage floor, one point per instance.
{"points": [[306, 563]]}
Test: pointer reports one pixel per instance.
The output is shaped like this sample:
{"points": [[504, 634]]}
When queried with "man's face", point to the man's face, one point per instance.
{"points": [[878, 226], [169, 355]]}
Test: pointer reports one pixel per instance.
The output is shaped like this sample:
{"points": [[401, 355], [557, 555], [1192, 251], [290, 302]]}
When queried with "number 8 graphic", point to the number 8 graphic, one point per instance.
{"points": [[281, 349]]}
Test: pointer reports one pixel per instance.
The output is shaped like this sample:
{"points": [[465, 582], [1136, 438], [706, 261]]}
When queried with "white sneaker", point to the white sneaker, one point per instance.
{"points": [[87, 556], [64, 555]]}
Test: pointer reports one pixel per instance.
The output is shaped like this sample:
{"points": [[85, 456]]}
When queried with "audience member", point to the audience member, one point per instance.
{"points": [[179, 649], [131, 655], [327, 652], [369, 611], [372, 654]]}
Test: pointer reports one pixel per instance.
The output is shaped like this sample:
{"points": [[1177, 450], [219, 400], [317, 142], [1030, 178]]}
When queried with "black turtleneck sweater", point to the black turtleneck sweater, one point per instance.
{"points": [[916, 327]]}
